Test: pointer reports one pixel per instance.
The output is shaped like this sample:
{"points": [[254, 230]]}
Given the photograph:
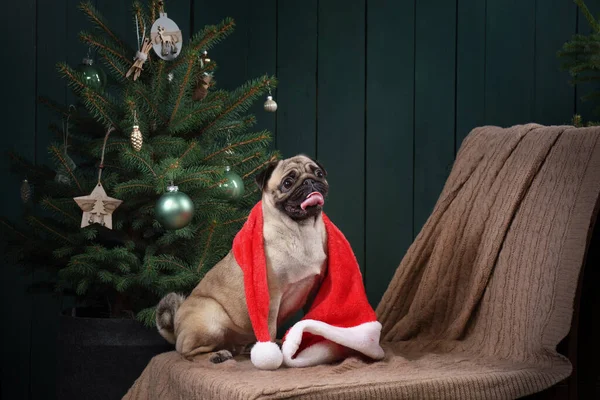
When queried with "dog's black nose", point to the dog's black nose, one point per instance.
{"points": [[309, 182]]}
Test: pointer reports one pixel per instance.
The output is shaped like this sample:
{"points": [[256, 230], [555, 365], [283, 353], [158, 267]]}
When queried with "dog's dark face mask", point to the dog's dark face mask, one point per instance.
{"points": [[298, 186]]}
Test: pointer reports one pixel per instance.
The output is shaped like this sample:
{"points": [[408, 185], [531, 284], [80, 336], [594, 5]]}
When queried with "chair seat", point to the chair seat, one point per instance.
{"points": [[404, 374]]}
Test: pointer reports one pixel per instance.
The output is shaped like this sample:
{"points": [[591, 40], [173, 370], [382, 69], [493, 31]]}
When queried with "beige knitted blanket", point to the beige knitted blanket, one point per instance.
{"points": [[479, 302]]}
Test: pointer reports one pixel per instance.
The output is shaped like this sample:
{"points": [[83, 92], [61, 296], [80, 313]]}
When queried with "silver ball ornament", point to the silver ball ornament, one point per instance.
{"points": [[270, 104], [174, 209]]}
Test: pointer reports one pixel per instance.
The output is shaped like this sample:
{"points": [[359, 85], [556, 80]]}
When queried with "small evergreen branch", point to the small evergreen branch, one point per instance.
{"points": [[250, 120], [155, 112], [138, 186], [232, 146], [144, 162], [177, 163], [270, 160], [29, 169], [35, 221], [58, 154], [249, 93], [211, 231], [94, 15], [98, 44], [588, 15], [92, 99], [252, 157], [181, 123], [183, 87], [4, 222], [233, 221], [47, 203], [205, 39], [54, 106]]}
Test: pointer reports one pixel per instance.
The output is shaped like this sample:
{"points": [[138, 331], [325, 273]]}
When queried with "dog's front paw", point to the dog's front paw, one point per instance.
{"points": [[220, 356]]}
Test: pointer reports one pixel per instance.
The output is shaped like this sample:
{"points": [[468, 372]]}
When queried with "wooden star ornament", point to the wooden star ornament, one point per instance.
{"points": [[97, 207]]}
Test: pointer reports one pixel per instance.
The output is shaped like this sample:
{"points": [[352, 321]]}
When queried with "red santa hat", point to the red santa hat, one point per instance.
{"points": [[340, 318]]}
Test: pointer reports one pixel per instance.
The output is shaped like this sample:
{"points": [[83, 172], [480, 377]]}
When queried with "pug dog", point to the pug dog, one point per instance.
{"points": [[214, 317]]}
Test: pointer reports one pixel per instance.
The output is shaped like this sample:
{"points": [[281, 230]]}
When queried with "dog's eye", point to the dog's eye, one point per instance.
{"points": [[288, 183], [319, 173]]}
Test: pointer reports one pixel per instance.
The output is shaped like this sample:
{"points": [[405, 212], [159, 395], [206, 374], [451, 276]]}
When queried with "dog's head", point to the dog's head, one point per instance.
{"points": [[295, 186]]}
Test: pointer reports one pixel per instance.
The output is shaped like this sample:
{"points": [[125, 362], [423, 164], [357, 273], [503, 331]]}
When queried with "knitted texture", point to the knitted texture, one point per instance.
{"points": [[478, 303]]}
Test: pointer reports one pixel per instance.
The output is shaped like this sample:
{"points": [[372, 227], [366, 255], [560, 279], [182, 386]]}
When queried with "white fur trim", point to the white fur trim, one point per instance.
{"points": [[363, 338], [266, 355], [141, 56], [323, 352]]}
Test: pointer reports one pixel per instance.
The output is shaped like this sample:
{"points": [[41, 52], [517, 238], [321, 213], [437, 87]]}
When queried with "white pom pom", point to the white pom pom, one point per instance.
{"points": [[266, 355], [141, 56]]}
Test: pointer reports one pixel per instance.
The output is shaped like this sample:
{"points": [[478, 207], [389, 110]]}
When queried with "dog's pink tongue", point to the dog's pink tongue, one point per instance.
{"points": [[313, 199]]}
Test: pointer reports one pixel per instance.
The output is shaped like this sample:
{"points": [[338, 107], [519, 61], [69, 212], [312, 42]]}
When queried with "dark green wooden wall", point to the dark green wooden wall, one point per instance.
{"points": [[381, 92]]}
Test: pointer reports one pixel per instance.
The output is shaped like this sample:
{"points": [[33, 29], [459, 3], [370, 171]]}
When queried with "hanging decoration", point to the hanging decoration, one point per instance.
{"points": [[166, 36], [174, 209], [233, 186], [136, 135], [270, 105], [201, 89], [98, 207], [25, 191], [62, 173], [93, 76], [141, 55]]}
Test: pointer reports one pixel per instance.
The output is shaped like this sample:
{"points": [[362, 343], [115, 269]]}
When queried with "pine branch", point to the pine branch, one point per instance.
{"points": [[47, 203], [100, 45], [211, 231], [57, 153], [92, 98], [250, 91], [588, 15], [232, 146], [140, 90], [204, 40], [177, 163], [183, 87], [261, 166], [5, 223], [35, 221], [95, 17]]}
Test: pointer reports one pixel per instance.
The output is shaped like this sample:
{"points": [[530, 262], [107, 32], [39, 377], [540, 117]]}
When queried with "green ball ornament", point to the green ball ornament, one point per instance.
{"points": [[92, 76], [174, 209], [233, 187]]}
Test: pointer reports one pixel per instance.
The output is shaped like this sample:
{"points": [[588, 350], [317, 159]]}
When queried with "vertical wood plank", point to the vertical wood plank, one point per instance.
{"points": [[470, 67], [297, 72], [340, 128], [51, 48], [231, 55], [434, 102], [19, 128], [262, 55], [510, 67], [389, 141], [554, 96]]}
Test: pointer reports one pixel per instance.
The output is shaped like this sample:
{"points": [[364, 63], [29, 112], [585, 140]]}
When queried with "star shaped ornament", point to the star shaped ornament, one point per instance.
{"points": [[97, 207]]}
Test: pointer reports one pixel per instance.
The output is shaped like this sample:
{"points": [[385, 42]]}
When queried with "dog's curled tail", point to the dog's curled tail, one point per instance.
{"points": [[165, 315]]}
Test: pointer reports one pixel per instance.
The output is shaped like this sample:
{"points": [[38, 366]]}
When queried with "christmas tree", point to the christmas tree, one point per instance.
{"points": [[147, 190]]}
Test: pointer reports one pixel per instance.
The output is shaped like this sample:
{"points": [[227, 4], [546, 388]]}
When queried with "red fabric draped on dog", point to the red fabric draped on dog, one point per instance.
{"points": [[340, 317]]}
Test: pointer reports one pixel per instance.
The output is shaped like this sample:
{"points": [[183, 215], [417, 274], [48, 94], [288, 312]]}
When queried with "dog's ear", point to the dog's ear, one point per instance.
{"points": [[321, 167], [263, 177]]}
